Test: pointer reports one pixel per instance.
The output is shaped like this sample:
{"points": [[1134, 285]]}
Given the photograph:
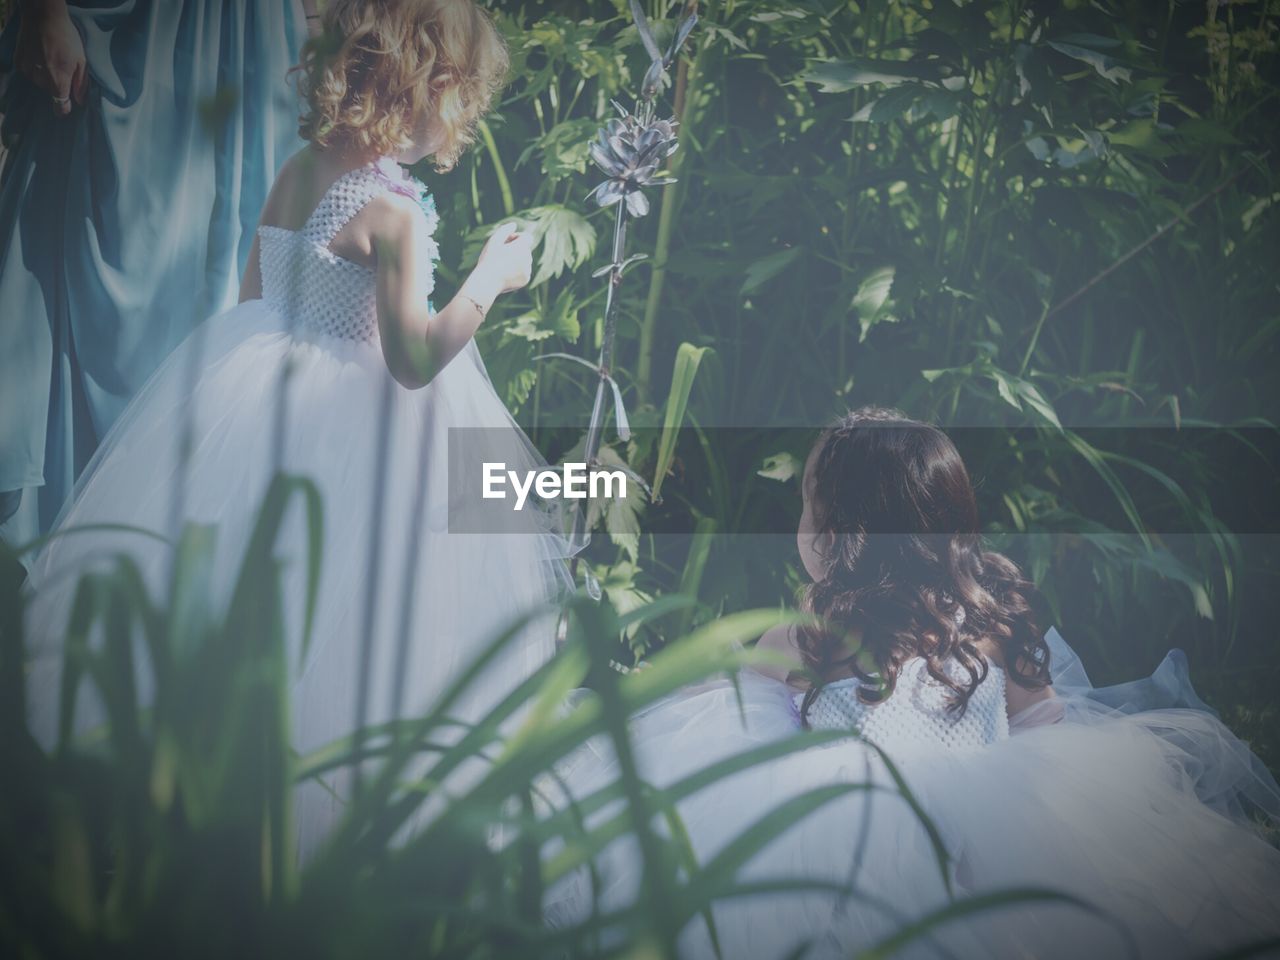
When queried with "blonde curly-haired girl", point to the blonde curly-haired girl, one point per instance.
{"points": [[335, 367]]}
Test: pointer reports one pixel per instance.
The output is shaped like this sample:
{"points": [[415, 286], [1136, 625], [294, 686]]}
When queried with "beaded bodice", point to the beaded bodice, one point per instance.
{"points": [[316, 288], [915, 714]]}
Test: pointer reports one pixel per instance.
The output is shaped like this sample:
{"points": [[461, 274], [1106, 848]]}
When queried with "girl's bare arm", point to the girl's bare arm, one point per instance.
{"points": [[418, 344]]}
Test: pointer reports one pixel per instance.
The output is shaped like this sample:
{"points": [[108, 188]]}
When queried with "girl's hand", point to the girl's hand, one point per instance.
{"points": [[51, 54], [507, 258]]}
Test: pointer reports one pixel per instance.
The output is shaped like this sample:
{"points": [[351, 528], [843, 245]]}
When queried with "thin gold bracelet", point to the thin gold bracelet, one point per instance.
{"points": [[483, 311]]}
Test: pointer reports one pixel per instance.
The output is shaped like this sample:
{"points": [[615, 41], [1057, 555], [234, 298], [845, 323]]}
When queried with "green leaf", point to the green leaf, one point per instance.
{"points": [[1037, 402], [761, 271], [775, 15], [1091, 40], [565, 238], [627, 599], [718, 874], [1105, 66], [1206, 131], [780, 466], [564, 148], [1141, 135], [914, 101], [1073, 153], [621, 515], [520, 386], [891, 105], [838, 76], [694, 566], [969, 907], [34, 546], [1004, 386], [872, 303], [939, 103], [528, 326], [686, 368], [1034, 79], [561, 320], [564, 316], [1095, 459]]}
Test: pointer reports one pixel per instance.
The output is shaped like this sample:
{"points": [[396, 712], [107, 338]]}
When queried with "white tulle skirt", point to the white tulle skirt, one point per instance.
{"points": [[1134, 804], [202, 441]]}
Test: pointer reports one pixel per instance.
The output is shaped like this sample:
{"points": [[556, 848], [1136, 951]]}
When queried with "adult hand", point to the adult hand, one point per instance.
{"points": [[311, 12], [51, 54]]}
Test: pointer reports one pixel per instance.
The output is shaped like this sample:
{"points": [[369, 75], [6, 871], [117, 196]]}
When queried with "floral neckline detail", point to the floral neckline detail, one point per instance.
{"points": [[398, 180]]}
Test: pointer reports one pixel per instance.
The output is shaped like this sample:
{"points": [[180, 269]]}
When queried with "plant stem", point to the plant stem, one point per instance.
{"points": [[595, 427], [666, 226], [504, 185], [1117, 264]]}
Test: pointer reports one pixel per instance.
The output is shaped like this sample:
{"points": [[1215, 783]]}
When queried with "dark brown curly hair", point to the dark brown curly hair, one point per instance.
{"points": [[906, 573]]}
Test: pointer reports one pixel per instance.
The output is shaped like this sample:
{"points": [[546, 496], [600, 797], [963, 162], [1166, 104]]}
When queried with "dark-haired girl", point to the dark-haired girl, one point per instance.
{"points": [[1120, 821]]}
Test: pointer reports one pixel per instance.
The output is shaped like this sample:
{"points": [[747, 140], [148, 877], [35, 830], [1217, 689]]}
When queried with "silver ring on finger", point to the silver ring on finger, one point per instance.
{"points": [[62, 101]]}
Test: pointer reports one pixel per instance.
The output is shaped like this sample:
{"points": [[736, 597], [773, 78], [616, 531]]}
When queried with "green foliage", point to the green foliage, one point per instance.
{"points": [[1034, 217], [141, 838], [688, 357]]}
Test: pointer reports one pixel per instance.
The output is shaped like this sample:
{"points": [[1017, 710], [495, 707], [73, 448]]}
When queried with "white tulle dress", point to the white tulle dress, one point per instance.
{"points": [[1134, 801], [297, 381]]}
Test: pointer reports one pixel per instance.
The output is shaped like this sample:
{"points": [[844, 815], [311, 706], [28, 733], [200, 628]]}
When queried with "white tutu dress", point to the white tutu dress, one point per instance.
{"points": [[297, 381], [1133, 800]]}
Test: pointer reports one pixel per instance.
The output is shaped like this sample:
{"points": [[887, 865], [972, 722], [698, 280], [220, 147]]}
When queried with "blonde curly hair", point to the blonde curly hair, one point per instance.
{"points": [[380, 68]]}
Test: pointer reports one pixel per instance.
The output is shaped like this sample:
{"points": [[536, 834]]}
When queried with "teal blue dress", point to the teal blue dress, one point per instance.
{"points": [[128, 222]]}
